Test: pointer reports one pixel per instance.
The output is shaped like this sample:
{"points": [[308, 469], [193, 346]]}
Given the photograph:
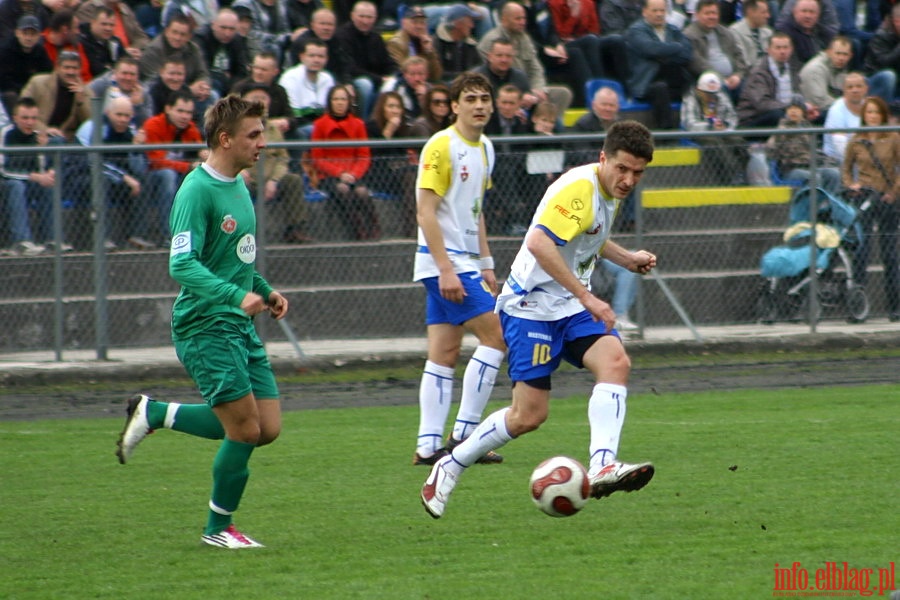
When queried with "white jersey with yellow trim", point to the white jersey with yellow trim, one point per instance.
{"points": [[576, 214], [459, 171]]}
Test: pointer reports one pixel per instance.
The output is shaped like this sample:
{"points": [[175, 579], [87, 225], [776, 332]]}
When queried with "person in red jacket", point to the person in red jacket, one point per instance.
{"points": [[167, 167], [578, 27], [342, 170]]}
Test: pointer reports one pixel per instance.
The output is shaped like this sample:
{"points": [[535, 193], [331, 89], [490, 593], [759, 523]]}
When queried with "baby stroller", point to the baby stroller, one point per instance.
{"points": [[785, 293]]}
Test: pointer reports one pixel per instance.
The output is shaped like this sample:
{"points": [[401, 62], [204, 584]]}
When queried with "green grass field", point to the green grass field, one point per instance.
{"points": [[744, 480]]}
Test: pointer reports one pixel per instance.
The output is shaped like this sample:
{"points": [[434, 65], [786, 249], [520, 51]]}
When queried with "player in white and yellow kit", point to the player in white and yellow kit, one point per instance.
{"points": [[549, 314], [454, 264]]}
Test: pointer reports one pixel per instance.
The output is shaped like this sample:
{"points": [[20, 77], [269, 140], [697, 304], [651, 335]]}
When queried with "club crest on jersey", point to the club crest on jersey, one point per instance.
{"points": [[464, 174], [228, 224], [246, 249]]}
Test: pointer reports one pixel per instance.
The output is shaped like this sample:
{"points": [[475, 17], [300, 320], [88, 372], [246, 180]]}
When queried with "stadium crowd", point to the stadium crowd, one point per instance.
{"points": [[379, 71]]}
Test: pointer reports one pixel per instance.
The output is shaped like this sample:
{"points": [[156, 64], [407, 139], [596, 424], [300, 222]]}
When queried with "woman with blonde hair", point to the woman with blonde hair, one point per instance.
{"points": [[869, 174]]}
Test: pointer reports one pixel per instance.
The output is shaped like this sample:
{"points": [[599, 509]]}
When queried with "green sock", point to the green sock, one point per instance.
{"points": [[194, 419], [230, 474]]}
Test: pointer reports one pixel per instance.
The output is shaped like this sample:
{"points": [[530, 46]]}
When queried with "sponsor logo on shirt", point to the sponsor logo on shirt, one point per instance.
{"points": [[181, 244], [246, 249], [228, 224], [566, 213]]}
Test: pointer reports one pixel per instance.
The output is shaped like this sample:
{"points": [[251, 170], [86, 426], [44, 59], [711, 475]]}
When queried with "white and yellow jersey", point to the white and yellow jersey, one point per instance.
{"points": [[575, 213], [459, 171]]}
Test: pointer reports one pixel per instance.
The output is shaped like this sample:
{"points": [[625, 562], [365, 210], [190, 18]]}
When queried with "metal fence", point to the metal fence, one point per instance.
{"points": [[345, 259]]}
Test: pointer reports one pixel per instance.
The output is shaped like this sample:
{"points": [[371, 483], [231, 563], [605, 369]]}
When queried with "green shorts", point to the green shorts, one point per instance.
{"points": [[227, 362]]}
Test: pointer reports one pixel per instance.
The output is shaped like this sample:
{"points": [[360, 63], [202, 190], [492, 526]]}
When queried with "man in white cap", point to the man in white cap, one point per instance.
{"points": [[708, 107]]}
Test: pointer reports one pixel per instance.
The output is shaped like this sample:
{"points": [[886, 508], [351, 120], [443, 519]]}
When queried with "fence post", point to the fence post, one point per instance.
{"points": [[58, 291], [813, 298], [98, 209]]}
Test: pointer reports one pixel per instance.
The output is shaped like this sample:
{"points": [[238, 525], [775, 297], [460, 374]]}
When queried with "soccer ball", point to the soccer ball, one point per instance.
{"points": [[560, 487]]}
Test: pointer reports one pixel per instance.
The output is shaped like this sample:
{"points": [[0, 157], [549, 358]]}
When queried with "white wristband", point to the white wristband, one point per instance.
{"points": [[486, 263]]}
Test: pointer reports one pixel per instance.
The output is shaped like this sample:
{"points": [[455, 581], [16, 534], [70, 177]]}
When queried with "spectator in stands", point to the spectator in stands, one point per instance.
{"points": [[174, 42], [436, 114], [322, 27], [101, 46], [806, 29], [26, 180], [846, 112], [884, 47], [167, 167], [499, 71], [300, 13], [822, 78], [828, 19], [307, 85], [436, 12], [204, 97], [413, 40], [869, 173], [791, 152], [224, 51], [616, 16], [123, 175], [21, 57], [342, 170], [264, 70], [282, 191], [716, 48], [270, 29], [753, 31], [542, 121], [578, 26], [507, 189], [456, 47], [171, 79], [369, 60], [123, 80], [708, 108], [770, 86], [63, 99], [62, 36], [512, 27], [411, 84], [126, 26], [13, 10], [393, 169], [199, 12], [149, 17], [659, 56]]}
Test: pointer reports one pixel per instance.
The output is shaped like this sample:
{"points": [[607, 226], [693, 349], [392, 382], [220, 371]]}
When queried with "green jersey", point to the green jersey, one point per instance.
{"points": [[213, 252]]}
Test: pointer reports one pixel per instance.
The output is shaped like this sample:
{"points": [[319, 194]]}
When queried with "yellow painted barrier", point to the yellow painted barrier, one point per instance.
{"points": [[715, 196]]}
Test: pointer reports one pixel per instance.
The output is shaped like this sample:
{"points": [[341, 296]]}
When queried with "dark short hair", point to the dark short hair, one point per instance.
{"points": [[469, 81], [631, 137], [68, 56], [24, 102], [184, 95]]}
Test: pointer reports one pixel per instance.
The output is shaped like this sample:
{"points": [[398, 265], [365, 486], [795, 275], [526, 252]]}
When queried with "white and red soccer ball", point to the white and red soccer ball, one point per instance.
{"points": [[559, 486]]}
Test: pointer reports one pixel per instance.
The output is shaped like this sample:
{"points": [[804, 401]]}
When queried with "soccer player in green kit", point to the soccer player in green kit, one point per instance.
{"points": [[212, 257]]}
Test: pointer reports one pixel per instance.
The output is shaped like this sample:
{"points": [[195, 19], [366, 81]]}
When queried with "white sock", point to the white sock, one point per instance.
{"points": [[489, 435], [435, 395], [478, 383], [606, 414]]}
